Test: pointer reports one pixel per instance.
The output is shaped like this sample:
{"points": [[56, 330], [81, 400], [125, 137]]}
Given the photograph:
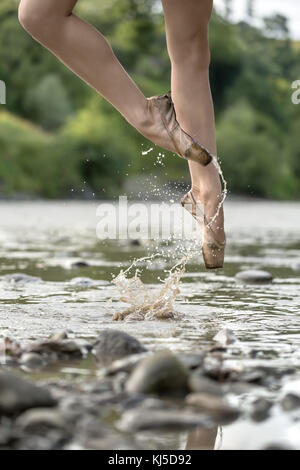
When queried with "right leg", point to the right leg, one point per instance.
{"points": [[88, 54]]}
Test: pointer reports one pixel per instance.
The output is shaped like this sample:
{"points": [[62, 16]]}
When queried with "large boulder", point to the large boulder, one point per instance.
{"points": [[161, 374], [17, 395], [112, 345]]}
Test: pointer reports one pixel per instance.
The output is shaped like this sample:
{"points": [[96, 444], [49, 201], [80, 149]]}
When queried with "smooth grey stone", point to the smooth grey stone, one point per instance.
{"points": [[261, 409], [191, 361], [199, 383], [161, 373], [40, 419], [18, 394], [32, 360], [213, 406], [254, 277], [114, 344], [159, 420], [127, 364], [290, 402]]}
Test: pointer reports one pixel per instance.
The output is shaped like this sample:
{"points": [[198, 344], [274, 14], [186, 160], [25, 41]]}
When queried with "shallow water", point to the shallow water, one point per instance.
{"points": [[43, 239]]}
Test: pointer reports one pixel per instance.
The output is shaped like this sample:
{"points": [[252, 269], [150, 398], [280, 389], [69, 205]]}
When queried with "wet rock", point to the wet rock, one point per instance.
{"points": [[199, 383], [214, 406], [20, 278], [17, 395], [239, 388], [169, 420], [290, 402], [32, 360], [254, 277], [161, 373], [191, 361], [135, 242], [261, 409], [225, 337], [40, 420], [60, 348], [83, 282], [127, 364], [59, 336], [114, 344], [80, 264]]}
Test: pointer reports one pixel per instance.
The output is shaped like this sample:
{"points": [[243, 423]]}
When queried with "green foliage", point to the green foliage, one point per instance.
{"points": [[58, 137], [48, 103]]}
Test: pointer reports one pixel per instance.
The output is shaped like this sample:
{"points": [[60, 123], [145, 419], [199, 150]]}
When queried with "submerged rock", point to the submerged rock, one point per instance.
{"points": [[80, 264], [83, 282], [114, 344], [17, 395], [260, 409], [290, 402], [161, 373], [254, 277], [20, 278], [214, 406]]}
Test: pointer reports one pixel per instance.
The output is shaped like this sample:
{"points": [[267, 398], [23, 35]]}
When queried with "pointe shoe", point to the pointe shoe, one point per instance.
{"points": [[213, 251], [184, 144]]}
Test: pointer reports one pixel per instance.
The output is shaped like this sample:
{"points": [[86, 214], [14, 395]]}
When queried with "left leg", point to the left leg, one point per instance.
{"points": [[187, 40]]}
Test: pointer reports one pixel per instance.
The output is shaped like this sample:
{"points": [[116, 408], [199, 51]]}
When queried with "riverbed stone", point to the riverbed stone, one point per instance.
{"points": [[32, 360], [18, 394], [112, 345], [290, 402], [191, 360], [161, 374], [40, 420], [216, 407], [260, 409], [200, 384], [254, 277]]}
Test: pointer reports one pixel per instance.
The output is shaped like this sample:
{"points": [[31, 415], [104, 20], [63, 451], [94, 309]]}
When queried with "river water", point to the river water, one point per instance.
{"points": [[57, 243]]}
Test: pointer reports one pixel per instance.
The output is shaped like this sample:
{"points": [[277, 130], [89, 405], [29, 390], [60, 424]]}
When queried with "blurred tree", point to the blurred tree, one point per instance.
{"points": [[277, 26], [48, 102]]}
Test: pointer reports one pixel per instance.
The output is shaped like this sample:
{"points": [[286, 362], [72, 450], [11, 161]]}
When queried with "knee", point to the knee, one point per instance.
{"points": [[36, 17], [192, 49]]}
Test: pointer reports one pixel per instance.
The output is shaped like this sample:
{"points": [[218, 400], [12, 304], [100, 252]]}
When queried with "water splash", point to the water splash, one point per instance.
{"points": [[145, 303]]}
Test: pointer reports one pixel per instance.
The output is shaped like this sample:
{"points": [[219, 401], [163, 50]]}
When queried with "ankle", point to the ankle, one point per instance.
{"points": [[143, 120]]}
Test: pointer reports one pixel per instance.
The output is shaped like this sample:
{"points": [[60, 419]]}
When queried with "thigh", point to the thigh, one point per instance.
{"points": [[48, 7]]}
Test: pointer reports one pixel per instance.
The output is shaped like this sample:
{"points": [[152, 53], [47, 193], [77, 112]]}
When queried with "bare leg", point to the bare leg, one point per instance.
{"points": [[187, 39], [87, 53]]}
